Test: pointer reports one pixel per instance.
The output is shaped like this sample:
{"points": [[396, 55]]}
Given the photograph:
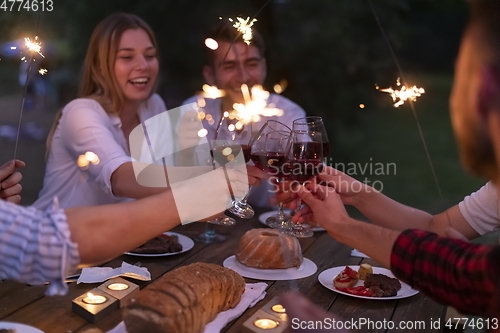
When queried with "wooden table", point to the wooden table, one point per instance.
{"points": [[28, 305]]}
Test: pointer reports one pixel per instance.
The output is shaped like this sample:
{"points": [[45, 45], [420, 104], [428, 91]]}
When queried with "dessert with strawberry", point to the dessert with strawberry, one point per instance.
{"points": [[346, 279]]}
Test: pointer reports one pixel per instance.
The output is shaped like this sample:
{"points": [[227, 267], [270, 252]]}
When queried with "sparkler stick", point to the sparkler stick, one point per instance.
{"points": [[32, 47], [412, 105]]}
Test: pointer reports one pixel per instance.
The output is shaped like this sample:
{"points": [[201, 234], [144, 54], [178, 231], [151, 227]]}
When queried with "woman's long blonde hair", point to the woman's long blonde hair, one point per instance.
{"points": [[98, 80]]}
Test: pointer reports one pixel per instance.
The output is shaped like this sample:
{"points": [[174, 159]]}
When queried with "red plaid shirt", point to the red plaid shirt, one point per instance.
{"points": [[450, 271]]}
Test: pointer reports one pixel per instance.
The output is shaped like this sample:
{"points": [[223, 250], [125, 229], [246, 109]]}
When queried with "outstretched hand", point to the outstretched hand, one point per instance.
{"points": [[324, 206], [9, 181], [349, 189]]}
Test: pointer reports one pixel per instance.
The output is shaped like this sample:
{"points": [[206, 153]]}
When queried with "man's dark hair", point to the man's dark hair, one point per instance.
{"points": [[223, 31]]}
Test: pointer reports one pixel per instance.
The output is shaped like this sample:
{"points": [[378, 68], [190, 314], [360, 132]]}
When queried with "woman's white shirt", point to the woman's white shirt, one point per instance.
{"points": [[85, 126]]}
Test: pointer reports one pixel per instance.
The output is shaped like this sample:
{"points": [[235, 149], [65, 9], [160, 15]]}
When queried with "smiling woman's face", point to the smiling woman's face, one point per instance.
{"points": [[136, 65]]}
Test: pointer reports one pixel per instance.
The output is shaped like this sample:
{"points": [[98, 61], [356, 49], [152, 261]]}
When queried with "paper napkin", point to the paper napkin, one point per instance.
{"points": [[101, 274]]}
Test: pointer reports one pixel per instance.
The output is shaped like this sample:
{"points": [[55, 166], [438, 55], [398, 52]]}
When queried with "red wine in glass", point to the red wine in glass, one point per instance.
{"points": [[308, 150], [302, 170], [326, 148], [269, 162]]}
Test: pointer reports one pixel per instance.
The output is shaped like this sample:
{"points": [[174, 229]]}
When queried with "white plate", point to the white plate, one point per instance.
{"points": [[263, 217], [307, 268], [326, 279], [20, 328], [186, 242]]}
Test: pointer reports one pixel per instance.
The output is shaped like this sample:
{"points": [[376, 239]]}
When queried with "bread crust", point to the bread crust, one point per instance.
{"points": [[184, 300]]}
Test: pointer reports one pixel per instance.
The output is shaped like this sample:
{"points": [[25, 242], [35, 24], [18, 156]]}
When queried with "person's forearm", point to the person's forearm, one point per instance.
{"points": [[450, 271], [124, 183], [153, 179], [375, 241], [391, 214], [103, 232]]}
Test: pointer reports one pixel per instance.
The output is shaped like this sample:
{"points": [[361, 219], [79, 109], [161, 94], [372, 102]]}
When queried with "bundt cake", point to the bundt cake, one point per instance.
{"points": [[268, 249]]}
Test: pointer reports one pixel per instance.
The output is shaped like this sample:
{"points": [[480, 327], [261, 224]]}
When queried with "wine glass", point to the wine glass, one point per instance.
{"points": [[268, 152], [210, 235], [304, 161], [314, 124], [231, 139]]}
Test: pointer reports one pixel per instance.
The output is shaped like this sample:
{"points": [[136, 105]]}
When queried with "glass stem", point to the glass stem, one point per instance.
{"points": [[245, 198], [281, 213], [299, 203]]}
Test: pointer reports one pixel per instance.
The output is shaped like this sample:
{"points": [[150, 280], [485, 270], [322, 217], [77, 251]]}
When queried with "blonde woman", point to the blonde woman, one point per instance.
{"points": [[120, 75]]}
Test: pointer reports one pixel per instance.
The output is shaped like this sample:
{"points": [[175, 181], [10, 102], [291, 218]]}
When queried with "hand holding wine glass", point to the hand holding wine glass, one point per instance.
{"points": [[232, 143], [304, 161]]}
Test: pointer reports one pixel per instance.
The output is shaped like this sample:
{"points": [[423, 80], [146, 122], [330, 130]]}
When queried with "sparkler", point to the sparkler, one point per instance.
{"points": [[421, 133], [401, 96], [244, 27], [34, 46], [42, 71]]}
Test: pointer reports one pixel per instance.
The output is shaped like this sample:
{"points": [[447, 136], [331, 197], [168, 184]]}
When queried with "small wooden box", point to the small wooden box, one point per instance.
{"points": [[250, 327], [123, 296], [95, 312]]}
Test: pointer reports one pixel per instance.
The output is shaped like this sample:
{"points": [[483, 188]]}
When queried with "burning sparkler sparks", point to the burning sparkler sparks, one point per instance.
{"points": [[43, 71], [34, 46], [212, 92], [401, 96], [255, 106], [244, 27]]}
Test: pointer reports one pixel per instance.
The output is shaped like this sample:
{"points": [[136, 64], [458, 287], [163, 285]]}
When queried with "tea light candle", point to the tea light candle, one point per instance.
{"points": [[120, 289], [95, 305], [275, 309], [262, 321], [118, 286], [94, 299], [266, 324], [278, 308]]}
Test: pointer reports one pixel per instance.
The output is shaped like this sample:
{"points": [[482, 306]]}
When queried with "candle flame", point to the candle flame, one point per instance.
{"points": [[91, 297], [212, 92], [34, 46], [244, 26], [399, 97]]}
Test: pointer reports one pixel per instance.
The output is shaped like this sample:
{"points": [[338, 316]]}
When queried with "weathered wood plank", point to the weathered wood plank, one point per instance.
{"points": [[15, 295]]}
